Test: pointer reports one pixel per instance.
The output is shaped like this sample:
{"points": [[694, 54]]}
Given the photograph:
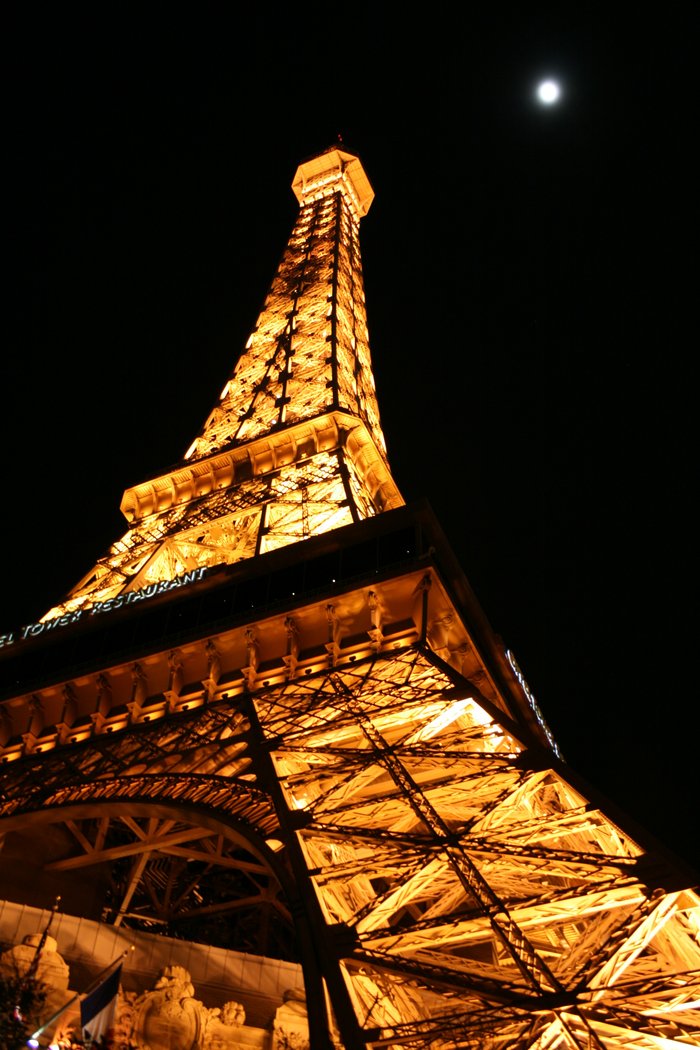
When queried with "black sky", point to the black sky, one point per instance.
{"points": [[526, 326]]}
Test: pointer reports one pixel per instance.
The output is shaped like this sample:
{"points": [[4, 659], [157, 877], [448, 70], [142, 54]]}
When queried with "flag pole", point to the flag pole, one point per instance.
{"points": [[34, 965], [81, 995]]}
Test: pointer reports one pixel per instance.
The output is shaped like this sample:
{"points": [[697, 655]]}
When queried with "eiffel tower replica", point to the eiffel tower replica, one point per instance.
{"points": [[273, 717]]}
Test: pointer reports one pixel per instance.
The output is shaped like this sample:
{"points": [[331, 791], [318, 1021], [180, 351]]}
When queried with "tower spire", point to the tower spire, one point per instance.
{"points": [[294, 446], [308, 353]]}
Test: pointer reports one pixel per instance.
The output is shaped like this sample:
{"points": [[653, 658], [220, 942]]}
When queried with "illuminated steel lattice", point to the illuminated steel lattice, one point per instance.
{"points": [[309, 352], [363, 783], [483, 900], [295, 446]]}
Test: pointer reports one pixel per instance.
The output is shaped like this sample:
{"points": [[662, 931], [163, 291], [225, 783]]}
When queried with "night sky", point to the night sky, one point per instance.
{"points": [[525, 296]]}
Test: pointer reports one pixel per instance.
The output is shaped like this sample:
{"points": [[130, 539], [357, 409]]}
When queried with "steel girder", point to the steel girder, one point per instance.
{"points": [[451, 889]]}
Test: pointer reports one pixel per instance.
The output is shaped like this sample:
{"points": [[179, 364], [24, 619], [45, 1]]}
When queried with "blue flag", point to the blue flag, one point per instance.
{"points": [[97, 1012]]}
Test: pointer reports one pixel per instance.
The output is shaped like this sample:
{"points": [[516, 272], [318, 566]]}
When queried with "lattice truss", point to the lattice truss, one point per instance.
{"points": [[175, 875], [462, 890], [309, 352], [224, 527], [489, 904], [308, 355], [476, 898]]}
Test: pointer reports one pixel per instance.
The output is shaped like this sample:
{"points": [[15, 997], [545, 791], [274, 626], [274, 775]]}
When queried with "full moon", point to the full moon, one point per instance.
{"points": [[548, 92]]}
